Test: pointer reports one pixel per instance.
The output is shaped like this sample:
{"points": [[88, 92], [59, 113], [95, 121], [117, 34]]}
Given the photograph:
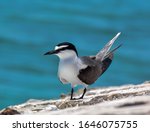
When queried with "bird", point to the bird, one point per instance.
{"points": [[84, 70]]}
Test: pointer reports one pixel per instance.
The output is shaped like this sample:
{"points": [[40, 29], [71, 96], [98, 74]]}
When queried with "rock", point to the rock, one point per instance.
{"points": [[136, 105], [126, 99], [9, 111]]}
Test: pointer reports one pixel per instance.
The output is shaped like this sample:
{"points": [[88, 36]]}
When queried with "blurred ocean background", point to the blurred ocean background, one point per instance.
{"points": [[29, 28]]}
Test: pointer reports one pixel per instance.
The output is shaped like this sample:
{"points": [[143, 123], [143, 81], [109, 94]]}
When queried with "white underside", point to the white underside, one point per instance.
{"points": [[69, 69]]}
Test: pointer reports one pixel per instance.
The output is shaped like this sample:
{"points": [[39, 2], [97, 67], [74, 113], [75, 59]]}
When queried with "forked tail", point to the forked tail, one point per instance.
{"points": [[105, 51]]}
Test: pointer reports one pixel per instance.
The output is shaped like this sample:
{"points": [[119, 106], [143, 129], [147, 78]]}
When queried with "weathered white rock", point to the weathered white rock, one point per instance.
{"points": [[127, 99]]}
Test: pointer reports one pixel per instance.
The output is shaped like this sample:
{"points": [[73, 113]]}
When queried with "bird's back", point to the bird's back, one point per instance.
{"points": [[94, 68]]}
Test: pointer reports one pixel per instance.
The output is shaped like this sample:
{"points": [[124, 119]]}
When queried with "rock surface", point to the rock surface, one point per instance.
{"points": [[126, 99]]}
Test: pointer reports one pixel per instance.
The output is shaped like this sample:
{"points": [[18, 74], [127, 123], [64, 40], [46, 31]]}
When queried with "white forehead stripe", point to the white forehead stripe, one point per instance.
{"points": [[60, 47]]}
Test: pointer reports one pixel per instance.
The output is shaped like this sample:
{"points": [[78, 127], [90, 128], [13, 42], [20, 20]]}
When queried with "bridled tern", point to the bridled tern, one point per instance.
{"points": [[83, 70]]}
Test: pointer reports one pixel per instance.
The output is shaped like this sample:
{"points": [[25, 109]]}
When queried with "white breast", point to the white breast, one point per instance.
{"points": [[68, 71]]}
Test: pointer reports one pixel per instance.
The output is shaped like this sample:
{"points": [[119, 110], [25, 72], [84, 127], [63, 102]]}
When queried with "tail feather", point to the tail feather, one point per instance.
{"points": [[101, 55], [112, 51], [108, 59]]}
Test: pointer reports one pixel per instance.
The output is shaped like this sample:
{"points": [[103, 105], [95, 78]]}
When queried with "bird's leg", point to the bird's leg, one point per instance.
{"points": [[72, 90], [84, 91]]}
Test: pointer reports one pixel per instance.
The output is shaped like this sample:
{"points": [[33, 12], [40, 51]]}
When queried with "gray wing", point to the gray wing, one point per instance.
{"points": [[97, 65], [93, 70], [101, 55], [89, 60]]}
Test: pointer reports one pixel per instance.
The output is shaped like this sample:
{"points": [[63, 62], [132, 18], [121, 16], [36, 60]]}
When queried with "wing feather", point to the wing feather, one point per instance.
{"points": [[101, 55]]}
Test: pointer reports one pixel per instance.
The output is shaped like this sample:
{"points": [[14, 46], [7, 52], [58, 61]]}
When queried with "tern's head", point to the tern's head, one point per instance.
{"points": [[64, 50]]}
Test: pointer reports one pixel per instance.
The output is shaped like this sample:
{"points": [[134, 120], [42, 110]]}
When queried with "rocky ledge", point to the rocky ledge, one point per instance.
{"points": [[126, 99]]}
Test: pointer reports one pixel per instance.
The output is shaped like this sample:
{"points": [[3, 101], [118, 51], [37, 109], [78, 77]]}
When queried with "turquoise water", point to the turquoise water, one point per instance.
{"points": [[30, 28]]}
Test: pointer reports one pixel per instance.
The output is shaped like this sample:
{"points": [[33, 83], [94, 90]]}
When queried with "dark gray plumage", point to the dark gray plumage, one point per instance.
{"points": [[94, 70]]}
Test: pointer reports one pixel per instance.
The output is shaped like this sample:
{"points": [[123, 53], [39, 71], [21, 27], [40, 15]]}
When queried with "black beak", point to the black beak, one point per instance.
{"points": [[51, 52]]}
